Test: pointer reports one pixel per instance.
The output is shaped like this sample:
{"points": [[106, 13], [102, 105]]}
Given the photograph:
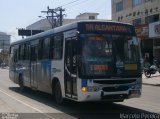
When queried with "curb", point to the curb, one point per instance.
{"points": [[151, 84]]}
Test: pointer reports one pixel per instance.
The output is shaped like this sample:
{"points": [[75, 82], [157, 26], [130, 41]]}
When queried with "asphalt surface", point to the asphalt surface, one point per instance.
{"points": [[38, 105]]}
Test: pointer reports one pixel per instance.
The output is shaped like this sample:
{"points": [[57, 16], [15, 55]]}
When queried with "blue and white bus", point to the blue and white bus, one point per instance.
{"points": [[81, 61]]}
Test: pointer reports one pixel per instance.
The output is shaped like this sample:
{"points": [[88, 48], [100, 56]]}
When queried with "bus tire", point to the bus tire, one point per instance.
{"points": [[21, 83], [147, 74], [58, 93]]}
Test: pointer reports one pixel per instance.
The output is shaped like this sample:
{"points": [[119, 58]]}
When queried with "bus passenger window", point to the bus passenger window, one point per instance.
{"points": [[46, 48], [26, 51], [40, 49], [15, 55], [57, 47], [34, 53]]}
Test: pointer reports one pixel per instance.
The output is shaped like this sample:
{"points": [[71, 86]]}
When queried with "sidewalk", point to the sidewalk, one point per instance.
{"points": [[153, 80]]}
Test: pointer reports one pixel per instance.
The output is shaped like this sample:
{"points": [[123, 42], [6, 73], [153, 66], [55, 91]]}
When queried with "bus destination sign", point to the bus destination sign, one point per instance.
{"points": [[107, 27], [98, 27], [96, 38]]}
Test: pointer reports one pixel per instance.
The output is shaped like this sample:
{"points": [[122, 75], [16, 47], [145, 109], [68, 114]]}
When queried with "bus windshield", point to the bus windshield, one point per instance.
{"points": [[102, 53], [126, 48]]}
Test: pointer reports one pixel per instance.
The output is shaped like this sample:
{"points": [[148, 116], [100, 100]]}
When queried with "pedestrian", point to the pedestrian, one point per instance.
{"points": [[146, 61], [142, 62]]}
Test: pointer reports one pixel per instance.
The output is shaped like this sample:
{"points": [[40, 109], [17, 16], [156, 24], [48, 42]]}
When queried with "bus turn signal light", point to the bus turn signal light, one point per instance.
{"points": [[84, 88]]}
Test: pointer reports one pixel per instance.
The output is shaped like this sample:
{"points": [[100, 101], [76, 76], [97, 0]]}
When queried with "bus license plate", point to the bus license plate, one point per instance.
{"points": [[130, 66], [135, 92]]}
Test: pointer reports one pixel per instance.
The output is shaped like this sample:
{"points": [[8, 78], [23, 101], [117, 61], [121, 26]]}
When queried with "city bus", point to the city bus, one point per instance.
{"points": [[81, 61]]}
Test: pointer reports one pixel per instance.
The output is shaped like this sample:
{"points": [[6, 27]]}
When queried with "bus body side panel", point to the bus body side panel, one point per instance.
{"points": [[40, 76], [16, 74], [57, 71], [11, 74], [44, 76], [12, 63], [26, 72], [12, 68], [22, 68]]}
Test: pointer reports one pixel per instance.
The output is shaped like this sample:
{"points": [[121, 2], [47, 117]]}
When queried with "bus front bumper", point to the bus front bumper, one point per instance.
{"points": [[110, 96], [121, 95]]}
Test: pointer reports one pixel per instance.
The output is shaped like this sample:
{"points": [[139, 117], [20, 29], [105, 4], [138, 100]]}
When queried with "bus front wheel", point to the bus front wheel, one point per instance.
{"points": [[58, 93]]}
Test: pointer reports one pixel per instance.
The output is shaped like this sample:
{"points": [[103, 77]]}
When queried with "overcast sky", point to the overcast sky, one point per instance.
{"points": [[21, 13]]}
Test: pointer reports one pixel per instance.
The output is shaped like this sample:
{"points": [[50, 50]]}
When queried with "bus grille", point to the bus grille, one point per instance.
{"points": [[115, 89], [115, 81]]}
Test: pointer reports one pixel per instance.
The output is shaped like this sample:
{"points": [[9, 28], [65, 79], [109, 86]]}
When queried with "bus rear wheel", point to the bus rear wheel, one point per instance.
{"points": [[21, 84], [58, 93]]}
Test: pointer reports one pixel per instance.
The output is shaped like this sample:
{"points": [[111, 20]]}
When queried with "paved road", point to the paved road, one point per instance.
{"points": [[36, 105]]}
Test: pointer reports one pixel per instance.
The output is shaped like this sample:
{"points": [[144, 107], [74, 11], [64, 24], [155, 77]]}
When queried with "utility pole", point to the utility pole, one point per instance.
{"points": [[60, 15], [54, 16]]}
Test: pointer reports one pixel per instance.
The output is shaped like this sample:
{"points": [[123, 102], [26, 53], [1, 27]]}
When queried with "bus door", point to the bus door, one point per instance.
{"points": [[34, 56], [70, 73]]}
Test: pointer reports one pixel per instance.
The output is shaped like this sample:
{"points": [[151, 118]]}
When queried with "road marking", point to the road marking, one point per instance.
{"points": [[2, 91]]}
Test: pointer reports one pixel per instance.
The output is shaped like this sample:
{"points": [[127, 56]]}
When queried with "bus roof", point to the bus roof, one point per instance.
{"points": [[63, 28]]}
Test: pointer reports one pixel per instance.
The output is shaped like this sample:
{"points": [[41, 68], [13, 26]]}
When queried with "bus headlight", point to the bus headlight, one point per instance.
{"points": [[90, 88]]}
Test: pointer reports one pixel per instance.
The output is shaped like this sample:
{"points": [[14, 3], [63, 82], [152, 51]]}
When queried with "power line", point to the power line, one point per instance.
{"points": [[73, 6], [84, 1], [71, 11], [93, 8], [100, 6], [69, 3]]}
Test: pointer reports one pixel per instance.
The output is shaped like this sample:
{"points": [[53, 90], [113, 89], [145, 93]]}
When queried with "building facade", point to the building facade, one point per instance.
{"points": [[154, 33], [4, 47], [140, 13]]}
